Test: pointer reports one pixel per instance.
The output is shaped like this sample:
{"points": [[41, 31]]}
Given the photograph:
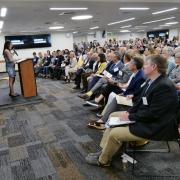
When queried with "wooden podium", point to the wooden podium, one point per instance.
{"points": [[27, 77]]}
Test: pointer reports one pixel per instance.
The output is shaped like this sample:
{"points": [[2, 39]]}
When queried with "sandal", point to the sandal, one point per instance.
{"points": [[96, 121], [15, 95], [96, 125]]}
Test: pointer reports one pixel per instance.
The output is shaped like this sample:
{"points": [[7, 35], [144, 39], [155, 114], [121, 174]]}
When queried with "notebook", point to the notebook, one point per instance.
{"points": [[116, 122], [124, 101]]}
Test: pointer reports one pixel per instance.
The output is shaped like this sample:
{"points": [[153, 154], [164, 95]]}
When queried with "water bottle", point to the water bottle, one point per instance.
{"points": [[125, 164]]}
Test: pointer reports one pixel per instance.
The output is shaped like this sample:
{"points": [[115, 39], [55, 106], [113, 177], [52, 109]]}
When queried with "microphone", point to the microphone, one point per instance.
{"points": [[15, 52]]}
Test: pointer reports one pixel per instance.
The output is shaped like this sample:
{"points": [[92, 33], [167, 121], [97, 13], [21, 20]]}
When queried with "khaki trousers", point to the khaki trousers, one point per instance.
{"points": [[112, 140]]}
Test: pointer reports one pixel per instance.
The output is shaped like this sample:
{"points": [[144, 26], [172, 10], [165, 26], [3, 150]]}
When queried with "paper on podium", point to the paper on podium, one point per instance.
{"points": [[124, 101], [115, 122], [20, 60]]}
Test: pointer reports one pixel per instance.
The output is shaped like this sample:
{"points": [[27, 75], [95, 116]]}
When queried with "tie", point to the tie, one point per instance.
{"points": [[146, 87], [112, 66]]}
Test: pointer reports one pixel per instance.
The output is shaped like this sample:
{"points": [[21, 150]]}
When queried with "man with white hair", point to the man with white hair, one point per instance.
{"points": [[168, 53], [175, 74]]}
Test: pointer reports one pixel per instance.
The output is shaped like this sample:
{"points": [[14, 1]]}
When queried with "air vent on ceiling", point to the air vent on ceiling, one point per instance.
{"points": [[67, 13], [47, 23], [95, 21], [126, 12]]}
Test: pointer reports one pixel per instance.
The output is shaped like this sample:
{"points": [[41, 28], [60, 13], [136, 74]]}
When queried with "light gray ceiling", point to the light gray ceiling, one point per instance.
{"points": [[34, 16]]}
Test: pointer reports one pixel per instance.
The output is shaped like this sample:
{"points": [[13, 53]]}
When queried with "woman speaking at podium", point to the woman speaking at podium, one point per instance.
{"points": [[10, 66]]}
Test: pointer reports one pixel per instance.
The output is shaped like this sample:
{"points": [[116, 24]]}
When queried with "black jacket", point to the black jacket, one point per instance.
{"points": [[157, 120]]}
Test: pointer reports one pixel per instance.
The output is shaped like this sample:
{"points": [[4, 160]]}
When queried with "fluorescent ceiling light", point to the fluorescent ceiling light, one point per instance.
{"points": [[1, 24], [96, 27], [3, 12], [125, 26], [117, 22], [164, 25], [172, 23], [75, 32], [83, 17], [141, 30], [134, 8], [158, 20], [167, 10], [59, 9], [124, 31], [56, 27], [140, 27], [156, 28], [91, 33]]}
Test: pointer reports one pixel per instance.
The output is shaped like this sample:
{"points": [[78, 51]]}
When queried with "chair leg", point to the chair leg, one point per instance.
{"points": [[133, 165], [169, 149]]}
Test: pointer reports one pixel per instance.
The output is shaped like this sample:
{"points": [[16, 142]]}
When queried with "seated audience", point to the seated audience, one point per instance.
{"points": [[149, 113], [71, 67], [113, 68], [38, 67]]}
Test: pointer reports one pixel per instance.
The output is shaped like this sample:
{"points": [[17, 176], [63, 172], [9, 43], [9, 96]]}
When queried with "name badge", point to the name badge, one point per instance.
{"points": [[144, 99], [120, 73], [116, 69]]}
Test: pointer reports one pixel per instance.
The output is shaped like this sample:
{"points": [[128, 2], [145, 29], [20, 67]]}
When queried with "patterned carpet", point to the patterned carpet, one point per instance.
{"points": [[49, 141]]}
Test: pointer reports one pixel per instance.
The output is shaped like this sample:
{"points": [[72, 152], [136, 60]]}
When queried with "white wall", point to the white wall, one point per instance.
{"points": [[174, 32], [127, 36], [58, 41], [98, 37], [80, 38]]}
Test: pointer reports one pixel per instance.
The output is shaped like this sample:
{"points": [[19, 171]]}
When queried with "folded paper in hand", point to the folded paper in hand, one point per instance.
{"points": [[98, 75], [124, 101], [107, 74], [115, 122]]}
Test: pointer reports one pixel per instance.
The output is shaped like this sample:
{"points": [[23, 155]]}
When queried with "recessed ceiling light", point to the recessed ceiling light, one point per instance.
{"points": [[125, 26], [83, 17], [96, 27], [66, 9], [158, 20], [3, 12], [167, 10], [1, 24], [56, 27], [134, 8], [117, 22], [124, 31], [172, 23]]}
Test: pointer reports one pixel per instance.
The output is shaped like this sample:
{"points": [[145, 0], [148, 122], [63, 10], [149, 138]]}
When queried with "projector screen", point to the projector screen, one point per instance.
{"points": [[30, 41]]}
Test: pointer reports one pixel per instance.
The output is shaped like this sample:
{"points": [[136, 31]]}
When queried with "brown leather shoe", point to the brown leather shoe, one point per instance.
{"points": [[139, 143], [83, 96]]}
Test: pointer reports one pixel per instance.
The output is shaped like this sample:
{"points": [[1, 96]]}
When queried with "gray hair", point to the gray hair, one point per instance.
{"points": [[118, 55], [170, 50]]}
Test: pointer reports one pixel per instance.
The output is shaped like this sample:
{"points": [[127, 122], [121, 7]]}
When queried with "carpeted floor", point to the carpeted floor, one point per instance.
{"points": [[49, 141]]}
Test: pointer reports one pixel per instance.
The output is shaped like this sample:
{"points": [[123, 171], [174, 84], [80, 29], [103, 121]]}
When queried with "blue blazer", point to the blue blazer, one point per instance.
{"points": [[135, 83], [114, 68]]}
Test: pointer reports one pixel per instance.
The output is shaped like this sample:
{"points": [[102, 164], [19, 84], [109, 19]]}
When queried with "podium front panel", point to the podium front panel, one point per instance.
{"points": [[27, 78]]}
